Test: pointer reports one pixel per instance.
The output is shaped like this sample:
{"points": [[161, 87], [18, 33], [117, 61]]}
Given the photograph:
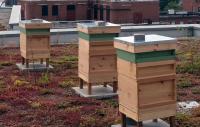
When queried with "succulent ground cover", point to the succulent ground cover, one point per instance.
{"points": [[46, 99], [188, 80]]}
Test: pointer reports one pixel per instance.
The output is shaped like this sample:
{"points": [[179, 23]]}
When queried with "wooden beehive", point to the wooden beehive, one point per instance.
{"points": [[146, 77], [97, 55], [35, 39]]}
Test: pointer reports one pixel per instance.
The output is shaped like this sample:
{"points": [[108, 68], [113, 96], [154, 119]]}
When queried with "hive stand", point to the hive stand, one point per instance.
{"points": [[148, 123], [97, 55], [35, 41], [146, 77]]}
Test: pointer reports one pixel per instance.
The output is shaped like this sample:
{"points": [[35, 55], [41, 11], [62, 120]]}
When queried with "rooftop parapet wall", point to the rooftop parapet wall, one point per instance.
{"points": [[59, 36]]}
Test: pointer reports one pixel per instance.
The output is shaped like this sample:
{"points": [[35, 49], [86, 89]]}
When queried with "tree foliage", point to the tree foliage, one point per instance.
{"points": [[169, 4]]}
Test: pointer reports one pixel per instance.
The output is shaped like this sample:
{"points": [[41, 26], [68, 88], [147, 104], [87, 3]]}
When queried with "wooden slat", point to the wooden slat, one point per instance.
{"points": [[35, 25], [149, 64], [37, 56], [23, 45], [83, 76], [128, 92], [103, 49], [83, 55], [150, 79], [103, 63], [102, 76], [155, 92], [97, 48], [157, 112], [155, 70], [142, 70], [98, 77], [129, 113], [161, 103], [99, 30], [105, 43]]}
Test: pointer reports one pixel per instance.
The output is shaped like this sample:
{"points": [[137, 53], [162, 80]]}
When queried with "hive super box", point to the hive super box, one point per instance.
{"points": [[97, 55], [35, 40], [146, 77]]}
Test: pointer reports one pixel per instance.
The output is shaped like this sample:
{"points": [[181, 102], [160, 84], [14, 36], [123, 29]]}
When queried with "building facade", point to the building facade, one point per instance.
{"points": [[117, 11], [191, 5], [54, 10]]}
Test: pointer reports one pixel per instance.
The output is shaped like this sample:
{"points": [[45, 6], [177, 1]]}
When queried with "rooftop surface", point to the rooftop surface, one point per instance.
{"points": [[98, 0], [47, 99]]}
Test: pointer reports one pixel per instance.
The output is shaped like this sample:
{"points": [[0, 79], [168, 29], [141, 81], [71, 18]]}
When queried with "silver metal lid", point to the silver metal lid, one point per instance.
{"points": [[36, 20], [100, 23], [139, 37]]}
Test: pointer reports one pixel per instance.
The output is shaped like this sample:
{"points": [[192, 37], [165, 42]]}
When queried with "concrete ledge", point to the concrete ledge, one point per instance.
{"points": [[149, 123], [34, 67], [70, 35], [98, 92]]}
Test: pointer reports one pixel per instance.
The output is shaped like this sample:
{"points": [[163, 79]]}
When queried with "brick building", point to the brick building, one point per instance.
{"points": [[191, 5], [117, 11], [54, 10]]}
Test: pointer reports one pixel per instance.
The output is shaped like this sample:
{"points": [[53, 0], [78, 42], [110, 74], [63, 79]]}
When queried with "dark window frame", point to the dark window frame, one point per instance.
{"points": [[95, 11], [45, 10], [71, 7], [108, 13], [55, 10], [101, 12]]}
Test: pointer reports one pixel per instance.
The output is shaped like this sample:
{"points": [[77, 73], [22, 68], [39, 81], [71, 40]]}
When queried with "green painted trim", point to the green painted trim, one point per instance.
{"points": [[98, 37], [35, 31], [146, 56]]}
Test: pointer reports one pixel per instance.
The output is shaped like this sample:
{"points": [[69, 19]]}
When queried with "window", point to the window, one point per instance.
{"points": [[108, 13], [95, 11], [71, 12], [101, 12], [71, 7], [44, 10], [55, 10]]}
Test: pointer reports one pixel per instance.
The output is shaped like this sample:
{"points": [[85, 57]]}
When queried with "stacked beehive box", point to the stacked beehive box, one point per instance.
{"points": [[146, 77], [97, 55], [35, 40]]}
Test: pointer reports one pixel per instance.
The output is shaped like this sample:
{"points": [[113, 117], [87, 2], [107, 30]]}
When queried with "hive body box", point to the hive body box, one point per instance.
{"points": [[97, 55], [35, 40], [146, 77]]}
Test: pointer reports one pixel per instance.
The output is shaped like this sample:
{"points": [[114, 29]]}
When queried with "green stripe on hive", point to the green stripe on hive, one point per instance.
{"points": [[35, 31], [146, 56], [98, 37]]}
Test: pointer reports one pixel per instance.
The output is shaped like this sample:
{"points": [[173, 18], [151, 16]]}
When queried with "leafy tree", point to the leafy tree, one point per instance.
{"points": [[173, 4], [169, 4], [163, 3]]}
